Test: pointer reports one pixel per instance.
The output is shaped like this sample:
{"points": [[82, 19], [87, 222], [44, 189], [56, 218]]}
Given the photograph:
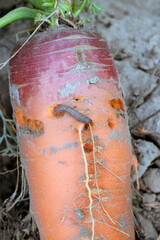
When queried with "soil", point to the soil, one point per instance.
{"points": [[132, 32]]}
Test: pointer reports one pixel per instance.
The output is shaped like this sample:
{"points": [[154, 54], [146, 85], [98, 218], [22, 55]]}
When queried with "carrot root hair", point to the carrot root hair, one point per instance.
{"points": [[93, 220]]}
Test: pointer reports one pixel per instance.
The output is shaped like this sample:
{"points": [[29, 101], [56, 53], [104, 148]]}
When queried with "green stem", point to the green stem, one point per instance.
{"points": [[74, 6], [18, 14], [80, 9]]}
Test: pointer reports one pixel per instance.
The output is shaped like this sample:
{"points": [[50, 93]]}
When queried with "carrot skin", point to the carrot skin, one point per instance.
{"points": [[53, 69]]}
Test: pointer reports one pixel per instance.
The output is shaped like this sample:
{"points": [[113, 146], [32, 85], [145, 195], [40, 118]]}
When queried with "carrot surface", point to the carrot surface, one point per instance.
{"points": [[78, 173]]}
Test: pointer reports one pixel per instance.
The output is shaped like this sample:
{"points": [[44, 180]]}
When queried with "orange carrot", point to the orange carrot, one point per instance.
{"points": [[78, 172]]}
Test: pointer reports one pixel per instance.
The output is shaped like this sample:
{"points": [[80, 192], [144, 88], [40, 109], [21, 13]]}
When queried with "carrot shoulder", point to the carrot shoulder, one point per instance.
{"points": [[78, 173]]}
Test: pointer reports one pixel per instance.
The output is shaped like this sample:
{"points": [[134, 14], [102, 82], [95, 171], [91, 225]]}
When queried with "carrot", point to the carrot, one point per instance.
{"points": [[78, 173], [73, 135]]}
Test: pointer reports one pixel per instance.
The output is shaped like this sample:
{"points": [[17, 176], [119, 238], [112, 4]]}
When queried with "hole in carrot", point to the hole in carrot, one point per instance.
{"points": [[88, 147], [28, 127], [50, 113], [79, 98], [86, 126], [117, 104], [111, 123]]}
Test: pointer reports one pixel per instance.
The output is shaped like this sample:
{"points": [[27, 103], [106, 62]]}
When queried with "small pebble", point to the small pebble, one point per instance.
{"points": [[152, 179], [148, 198]]}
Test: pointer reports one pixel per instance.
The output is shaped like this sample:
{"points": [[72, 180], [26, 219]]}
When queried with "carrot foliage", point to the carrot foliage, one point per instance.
{"points": [[42, 9]]}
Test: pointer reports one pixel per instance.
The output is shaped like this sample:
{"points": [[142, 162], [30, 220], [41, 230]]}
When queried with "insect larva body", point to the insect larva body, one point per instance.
{"points": [[73, 112]]}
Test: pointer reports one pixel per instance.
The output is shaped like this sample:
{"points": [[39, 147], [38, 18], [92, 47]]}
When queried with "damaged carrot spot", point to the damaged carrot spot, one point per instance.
{"points": [[79, 98], [50, 113], [27, 126], [117, 104], [80, 57], [111, 123], [88, 147]]}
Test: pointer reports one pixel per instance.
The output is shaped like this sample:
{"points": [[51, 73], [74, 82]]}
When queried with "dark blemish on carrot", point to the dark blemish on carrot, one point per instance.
{"points": [[86, 127], [69, 145], [79, 214], [117, 104], [79, 98], [88, 147], [44, 151], [28, 127], [26, 131], [96, 139], [73, 112], [63, 162], [53, 149], [85, 233], [80, 57]]}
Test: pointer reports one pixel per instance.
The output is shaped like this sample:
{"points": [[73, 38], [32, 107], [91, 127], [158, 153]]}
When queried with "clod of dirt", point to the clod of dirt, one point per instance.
{"points": [[146, 152], [152, 179], [149, 197], [150, 232]]}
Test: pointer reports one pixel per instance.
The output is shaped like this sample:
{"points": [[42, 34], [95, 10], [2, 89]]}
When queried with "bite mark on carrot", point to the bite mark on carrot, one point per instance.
{"points": [[88, 147], [111, 123], [79, 98], [117, 104], [50, 113], [28, 127]]}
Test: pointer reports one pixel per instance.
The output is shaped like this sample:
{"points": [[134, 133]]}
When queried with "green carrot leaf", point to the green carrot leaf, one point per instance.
{"points": [[40, 17], [65, 8], [18, 14], [44, 5], [94, 8]]}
